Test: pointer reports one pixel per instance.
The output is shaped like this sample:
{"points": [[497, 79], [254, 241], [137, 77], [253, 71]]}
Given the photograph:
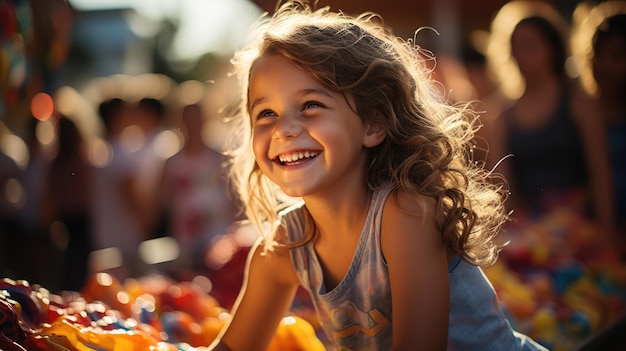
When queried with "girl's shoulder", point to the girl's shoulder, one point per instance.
{"points": [[408, 219], [409, 203], [273, 265]]}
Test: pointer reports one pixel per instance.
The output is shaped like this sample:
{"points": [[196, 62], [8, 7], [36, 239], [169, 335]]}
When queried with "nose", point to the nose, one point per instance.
{"points": [[287, 126]]}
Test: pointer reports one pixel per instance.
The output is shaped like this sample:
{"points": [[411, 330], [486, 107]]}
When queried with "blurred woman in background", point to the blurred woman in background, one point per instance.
{"points": [[558, 147]]}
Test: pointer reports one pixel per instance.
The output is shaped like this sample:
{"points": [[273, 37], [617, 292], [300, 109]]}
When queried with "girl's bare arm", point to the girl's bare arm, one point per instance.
{"points": [[418, 274], [270, 284]]}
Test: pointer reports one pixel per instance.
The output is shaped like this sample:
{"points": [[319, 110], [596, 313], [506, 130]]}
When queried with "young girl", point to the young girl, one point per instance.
{"points": [[359, 177]]}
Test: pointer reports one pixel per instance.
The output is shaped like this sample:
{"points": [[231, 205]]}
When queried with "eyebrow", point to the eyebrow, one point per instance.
{"points": [[303, 92], [256, 102]]}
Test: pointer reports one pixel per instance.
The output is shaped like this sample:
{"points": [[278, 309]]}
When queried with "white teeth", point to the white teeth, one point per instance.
{"points": [[296, 156]]}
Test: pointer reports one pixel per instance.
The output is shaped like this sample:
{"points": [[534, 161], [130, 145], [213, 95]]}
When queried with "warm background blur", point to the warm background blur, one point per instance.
{"points": [[65, 58], [145, 172]]}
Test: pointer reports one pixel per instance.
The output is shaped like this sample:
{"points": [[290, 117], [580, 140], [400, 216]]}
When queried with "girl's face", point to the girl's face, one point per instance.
{"points": [[306, 138], [531, 51], [609, 65]]}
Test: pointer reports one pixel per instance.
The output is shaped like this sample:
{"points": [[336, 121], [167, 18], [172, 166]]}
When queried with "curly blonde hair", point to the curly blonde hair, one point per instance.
{"points": [[428, 146]]}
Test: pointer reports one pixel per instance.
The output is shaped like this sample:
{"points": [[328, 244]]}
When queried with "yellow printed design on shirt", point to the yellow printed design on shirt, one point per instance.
{"points": [[348, 319]]}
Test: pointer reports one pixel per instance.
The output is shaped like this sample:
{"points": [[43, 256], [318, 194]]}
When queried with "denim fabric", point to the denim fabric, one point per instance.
{"points": [[476, 319]]}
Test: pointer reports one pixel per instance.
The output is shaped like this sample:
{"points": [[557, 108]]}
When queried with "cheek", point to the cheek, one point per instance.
{"points": [[256, 148], [259, 146]]}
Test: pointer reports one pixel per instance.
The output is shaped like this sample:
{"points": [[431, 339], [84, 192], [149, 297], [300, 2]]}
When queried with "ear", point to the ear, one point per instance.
{"points": [[374, 134]]}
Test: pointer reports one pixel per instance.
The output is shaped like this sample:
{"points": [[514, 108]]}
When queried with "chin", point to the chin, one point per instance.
{"points": [[295, 192]]}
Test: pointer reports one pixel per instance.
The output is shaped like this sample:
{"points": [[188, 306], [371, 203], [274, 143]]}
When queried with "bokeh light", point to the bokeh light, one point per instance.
{"points": [[167, 143], [45, 133], [191, 92], [14, 192], [42, 106], [159, 250], [104, 259], [13, 146], [100, 153]]}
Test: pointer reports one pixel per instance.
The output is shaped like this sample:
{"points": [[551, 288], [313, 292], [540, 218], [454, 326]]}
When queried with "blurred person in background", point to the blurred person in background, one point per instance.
{"points": [[33, 243], [558, 148], [609, 72], [117, 206], [149, 115], [193, 193], [67, 197], [8, 216], [487, 94]]}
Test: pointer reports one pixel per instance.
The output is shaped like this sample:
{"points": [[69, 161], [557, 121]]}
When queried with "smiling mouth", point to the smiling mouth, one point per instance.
{"points": [[294, 158]]}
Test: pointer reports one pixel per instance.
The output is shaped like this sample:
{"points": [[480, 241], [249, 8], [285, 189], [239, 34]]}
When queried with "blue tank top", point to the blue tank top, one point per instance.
{"points": [[356, 314]]}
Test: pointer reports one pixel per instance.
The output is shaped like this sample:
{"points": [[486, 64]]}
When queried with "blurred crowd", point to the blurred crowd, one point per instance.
{"points": [[146, 189], [90, 209], [552, 91]]}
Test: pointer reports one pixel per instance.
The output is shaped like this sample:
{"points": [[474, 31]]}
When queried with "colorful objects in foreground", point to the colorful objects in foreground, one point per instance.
{"points": [[160, 315]]}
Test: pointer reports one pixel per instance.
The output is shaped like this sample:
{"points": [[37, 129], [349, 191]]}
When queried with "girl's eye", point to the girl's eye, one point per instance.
{"points": [[265, 113], [311, 104]]}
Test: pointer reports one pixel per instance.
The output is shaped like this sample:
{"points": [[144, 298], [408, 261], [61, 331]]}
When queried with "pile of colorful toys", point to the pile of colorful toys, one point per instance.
{"points": [[152, 313], [560, 279]]}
